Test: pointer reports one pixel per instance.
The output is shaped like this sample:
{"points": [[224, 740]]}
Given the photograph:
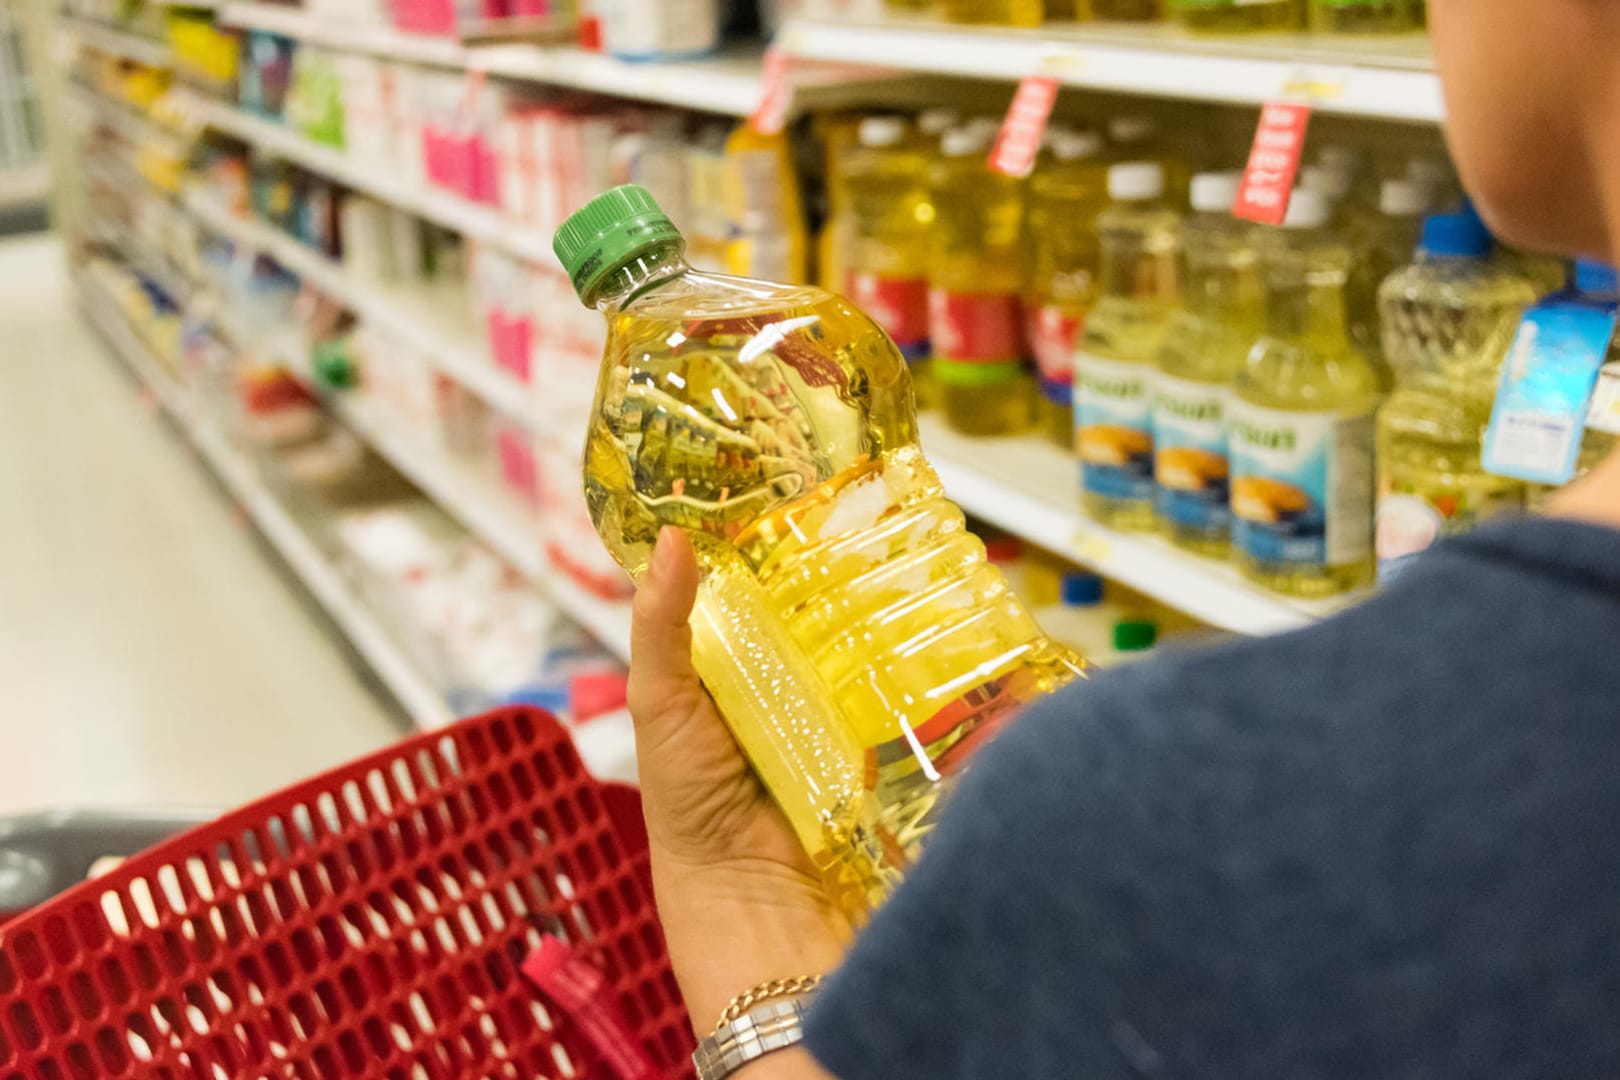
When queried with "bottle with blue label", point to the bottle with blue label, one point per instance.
{"points": [[1140, 239], [1302, 420], [1447, 321], [1222, 315]]}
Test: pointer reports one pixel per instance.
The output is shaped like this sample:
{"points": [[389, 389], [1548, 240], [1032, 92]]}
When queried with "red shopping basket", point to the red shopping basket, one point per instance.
{"points": [[467, 904]]}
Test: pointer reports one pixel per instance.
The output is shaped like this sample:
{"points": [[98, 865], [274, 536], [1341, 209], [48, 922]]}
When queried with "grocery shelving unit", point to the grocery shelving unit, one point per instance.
{"points": [[1020, 485]]}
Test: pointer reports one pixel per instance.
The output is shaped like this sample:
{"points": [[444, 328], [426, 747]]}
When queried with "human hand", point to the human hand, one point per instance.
{"points": [[739, 899]]}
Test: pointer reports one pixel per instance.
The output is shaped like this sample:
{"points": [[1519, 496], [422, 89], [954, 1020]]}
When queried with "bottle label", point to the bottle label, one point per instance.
{"points": [[1113, 420], [1052, 336], [1302, 486], [1410, 524], [1546, 391], [975, 328], [898, 305], [1190, 453]]}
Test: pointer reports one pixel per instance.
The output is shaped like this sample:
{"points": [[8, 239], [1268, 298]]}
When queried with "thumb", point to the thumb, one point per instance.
{"points": [[661, 672]]}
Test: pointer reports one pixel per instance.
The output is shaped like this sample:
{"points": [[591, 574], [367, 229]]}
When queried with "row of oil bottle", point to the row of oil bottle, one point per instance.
{"points": [[1201, 16], [1266, 393]]}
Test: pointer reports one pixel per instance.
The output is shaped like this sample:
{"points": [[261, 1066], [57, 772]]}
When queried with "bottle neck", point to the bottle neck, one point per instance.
{"points": [[1306, 299], [632, 280]]}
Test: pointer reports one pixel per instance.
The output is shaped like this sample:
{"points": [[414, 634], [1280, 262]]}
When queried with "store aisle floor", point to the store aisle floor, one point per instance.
{"points": [[150, 651]]}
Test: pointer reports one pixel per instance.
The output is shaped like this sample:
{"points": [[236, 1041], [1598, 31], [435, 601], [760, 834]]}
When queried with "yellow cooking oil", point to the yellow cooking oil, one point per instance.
{"points": [[1068, 10], [1067, 190], [1222, 313], [992, 12], [1448, 321], [849, 627], [975, 306], [1365, 16], [1239, 16], [890, 207], [1128, 10], [1139, 285], [1302, 420]]}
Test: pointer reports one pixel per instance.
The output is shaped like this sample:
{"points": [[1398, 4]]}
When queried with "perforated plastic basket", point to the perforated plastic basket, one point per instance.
{"points": [[467, 904]]}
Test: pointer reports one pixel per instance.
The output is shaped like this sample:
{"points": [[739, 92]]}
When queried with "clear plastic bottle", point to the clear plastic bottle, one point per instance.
{"points": [[1238, 16], [1068, 11], [1140, 238], [1365, 16], [848, 625], [1302, 420], [1448, 320], [1066, 191], [891, 218], [992, 12], [975, 309], [1138, 138], [1223, 313], [1384, 245], [1128, 10]]}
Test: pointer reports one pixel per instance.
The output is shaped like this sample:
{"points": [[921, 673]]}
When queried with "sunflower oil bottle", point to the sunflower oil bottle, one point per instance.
{"points": [[1448, 320], [992, 12], [768, 234], [1068, 10], [1138, 138], [1223, 312], [1365, 16], [853, 634], [1385, 244], [891, 218], [1302, 420], [1066, 191], [1128, 10], [1238, 16], [975, 308], [1139, 285]]}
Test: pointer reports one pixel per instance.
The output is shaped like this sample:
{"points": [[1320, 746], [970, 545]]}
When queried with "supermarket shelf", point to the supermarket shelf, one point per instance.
{"points": [[25, 185], [377, 180], [122, 117], [452, 350], [119, 42], [1030, 489], [292, 21], [1377, 78], [325, 582]]}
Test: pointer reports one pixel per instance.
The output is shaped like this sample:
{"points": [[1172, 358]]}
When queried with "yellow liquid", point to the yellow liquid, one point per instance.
{"points": [[891, 218], [1064, 260], [1068, 10], [992, 12], [1306, 368], [1217, 17], [1365, 16], [1128, 10], [975, 287], [1205, 347], [1140, 286], [851, 630]]}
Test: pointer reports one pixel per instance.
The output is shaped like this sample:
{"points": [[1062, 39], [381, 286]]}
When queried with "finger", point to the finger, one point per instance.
{"points": [[661, 672]]}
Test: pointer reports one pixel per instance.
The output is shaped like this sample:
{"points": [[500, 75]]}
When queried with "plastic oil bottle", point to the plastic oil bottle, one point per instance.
{"points": [[1385, 244], [1365, 16], [992, 12], [1448, 321], [1128, 10], [1223, 313], [1238, 16], [1302, 420], [848, 625], [1140, 238], [975, 309], [1067, 190], [891, 219]]}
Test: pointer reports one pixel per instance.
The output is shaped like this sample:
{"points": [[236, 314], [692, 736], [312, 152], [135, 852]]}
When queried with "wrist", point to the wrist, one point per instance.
{"points": [[731, 927]]}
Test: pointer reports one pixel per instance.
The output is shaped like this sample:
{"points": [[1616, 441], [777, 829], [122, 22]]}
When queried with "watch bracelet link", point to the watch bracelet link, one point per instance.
{"points": [[775, 1025]]}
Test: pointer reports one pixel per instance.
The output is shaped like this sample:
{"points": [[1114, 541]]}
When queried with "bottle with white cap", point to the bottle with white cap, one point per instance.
{"points": [[1385, 244], [1223, 311], [975, 307], [1067, 190], [1133, 137], [1140, 239], [1302, 419], [890, 216]]}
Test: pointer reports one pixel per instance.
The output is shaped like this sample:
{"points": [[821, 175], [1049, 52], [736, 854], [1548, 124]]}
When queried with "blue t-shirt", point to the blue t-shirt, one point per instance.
{"points": [[1387, 846]]}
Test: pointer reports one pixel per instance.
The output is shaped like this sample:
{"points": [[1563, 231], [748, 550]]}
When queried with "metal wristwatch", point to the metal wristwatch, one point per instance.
{"points": [[775, 1025]]}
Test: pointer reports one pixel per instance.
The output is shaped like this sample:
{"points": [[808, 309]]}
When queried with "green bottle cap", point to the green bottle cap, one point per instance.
{"points": [[1135, 635], [609, 231]]}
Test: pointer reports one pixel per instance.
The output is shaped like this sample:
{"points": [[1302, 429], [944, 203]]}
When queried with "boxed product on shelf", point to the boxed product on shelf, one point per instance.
{"points": [[504, 293], [378, 124]]}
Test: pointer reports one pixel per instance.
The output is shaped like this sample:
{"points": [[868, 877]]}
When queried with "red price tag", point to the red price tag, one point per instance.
{"points": [[1268, 182], [775, 94], [1025, 126]]}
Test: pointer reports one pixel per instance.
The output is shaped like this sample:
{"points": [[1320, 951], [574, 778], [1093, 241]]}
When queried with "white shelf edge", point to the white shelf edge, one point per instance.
{"points": [[123, 43], [1348, 79], [441, 207], [451, 353], [1031, 490], [424, 703]]}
